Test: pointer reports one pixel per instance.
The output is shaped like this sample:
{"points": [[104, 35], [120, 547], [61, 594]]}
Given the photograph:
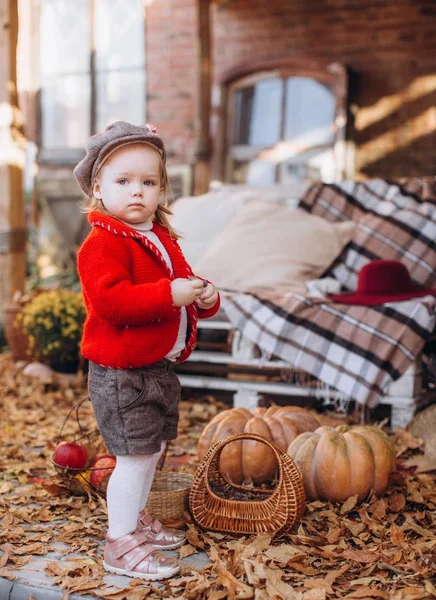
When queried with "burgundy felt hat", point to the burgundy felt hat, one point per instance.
{"points": [[382, 281]]}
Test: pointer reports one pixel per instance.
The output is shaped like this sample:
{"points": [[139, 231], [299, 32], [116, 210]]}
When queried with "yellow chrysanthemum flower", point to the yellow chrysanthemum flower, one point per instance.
{"points": [[54, 321]]}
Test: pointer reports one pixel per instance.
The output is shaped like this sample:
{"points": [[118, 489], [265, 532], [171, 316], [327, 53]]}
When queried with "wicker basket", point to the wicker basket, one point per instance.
{"points": [[168, 499], [276, 511]]}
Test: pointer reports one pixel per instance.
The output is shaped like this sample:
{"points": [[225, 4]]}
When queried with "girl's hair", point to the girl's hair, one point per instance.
{"points": [[91, 204]]}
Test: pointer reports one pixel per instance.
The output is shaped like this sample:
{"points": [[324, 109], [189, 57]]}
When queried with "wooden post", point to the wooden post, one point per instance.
{"points": [[204, 78], [12, 145]]}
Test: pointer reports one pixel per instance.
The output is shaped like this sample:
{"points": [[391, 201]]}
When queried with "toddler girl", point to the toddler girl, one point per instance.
{"points": [[143, 302]]}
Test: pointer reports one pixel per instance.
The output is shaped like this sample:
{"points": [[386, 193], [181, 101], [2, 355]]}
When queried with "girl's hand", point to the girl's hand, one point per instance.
{"points": [[186, 291], [208, 298]]}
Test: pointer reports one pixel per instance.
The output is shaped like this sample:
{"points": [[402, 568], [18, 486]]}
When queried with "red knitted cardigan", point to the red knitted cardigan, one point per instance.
{"points": [[126, 284]]}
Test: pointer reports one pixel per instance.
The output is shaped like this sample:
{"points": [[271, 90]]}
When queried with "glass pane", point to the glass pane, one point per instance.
{"points": [[120, 96], [309, 112], [64, 37], [316, 164], [266, 117], [257, 113], [119, 34], [242, 107], [65, 112]]}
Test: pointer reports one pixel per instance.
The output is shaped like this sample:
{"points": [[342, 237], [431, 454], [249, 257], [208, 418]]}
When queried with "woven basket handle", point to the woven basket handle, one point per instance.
{"points": [[214, 453]]}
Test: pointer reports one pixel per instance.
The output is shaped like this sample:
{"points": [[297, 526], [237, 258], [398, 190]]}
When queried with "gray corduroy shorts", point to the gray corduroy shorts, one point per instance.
{"points": [[135, 409]]}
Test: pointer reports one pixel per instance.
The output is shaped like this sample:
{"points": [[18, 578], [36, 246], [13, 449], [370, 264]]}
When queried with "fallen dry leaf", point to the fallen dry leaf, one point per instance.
{"points": [[424, 462], [284, 553], [396, 502], [405, 440], [381, 548], [234, 587], [361, 556], [187, 550], [319, 584], [378, 509], [276, 587], [124, 593], [367, 592], [6, 555], [349, 505], [397, 535], [333, 575], [409, 593], [314, 595], [7, 574]]}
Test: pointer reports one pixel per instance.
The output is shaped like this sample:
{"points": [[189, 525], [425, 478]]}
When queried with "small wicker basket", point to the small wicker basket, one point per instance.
{"points": [[274, 511], [78, 481], [168, 499]]}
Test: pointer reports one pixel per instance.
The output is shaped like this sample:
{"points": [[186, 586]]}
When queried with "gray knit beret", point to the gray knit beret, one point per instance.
{"points": [[101, 145]]}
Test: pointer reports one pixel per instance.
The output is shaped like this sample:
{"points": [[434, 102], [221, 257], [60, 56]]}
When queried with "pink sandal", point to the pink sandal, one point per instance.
{"points": [[160, 537], [131, 555]]}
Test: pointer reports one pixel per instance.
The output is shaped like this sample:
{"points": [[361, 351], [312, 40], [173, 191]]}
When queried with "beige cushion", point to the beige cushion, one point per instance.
{"points": [[266, 247], [200, 219]]}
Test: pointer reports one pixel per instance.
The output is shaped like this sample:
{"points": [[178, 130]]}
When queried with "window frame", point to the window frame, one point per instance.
{"points": [[64, 157], [333, 75]]}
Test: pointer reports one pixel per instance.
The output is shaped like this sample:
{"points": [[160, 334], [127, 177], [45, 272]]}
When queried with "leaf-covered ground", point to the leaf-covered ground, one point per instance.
{"points": [[385, 548]]}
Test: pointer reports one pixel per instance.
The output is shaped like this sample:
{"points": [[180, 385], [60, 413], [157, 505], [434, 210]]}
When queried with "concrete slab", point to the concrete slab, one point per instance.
{"points": [[22, 591], [5, 588], [32, 579]]}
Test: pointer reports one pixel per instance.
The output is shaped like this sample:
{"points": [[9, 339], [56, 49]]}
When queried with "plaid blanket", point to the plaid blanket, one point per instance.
{"points": [[394, 221], [358, 350]]}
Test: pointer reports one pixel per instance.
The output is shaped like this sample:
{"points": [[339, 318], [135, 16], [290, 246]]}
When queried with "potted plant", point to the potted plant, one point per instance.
{"points": [[53, 321]]}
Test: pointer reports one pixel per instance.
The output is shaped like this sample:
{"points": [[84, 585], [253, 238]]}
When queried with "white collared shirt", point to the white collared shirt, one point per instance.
{"points": [[145, 229]]}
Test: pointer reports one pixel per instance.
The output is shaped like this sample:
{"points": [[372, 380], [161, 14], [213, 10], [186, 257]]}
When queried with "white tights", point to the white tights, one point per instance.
{"points": [[128, 490]]}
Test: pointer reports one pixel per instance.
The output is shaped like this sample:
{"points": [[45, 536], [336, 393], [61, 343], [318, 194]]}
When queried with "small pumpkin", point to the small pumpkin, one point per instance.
{"points": [[249, 461], [340, 462]]}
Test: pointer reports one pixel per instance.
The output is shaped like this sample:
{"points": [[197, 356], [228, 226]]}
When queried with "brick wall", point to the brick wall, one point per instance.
{"points": [[171, 57], [391, 47]]}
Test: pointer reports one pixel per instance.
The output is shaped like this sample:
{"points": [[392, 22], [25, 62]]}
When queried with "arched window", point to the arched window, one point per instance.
{"points": [[286, 123]]}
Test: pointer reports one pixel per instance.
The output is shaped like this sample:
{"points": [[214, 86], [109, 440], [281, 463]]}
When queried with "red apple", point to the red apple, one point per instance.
{"points": [[70, 455], [101, 469]]}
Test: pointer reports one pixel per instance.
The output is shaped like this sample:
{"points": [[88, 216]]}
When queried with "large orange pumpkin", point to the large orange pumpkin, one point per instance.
{"points": [[249, 461], [342, 462]]}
